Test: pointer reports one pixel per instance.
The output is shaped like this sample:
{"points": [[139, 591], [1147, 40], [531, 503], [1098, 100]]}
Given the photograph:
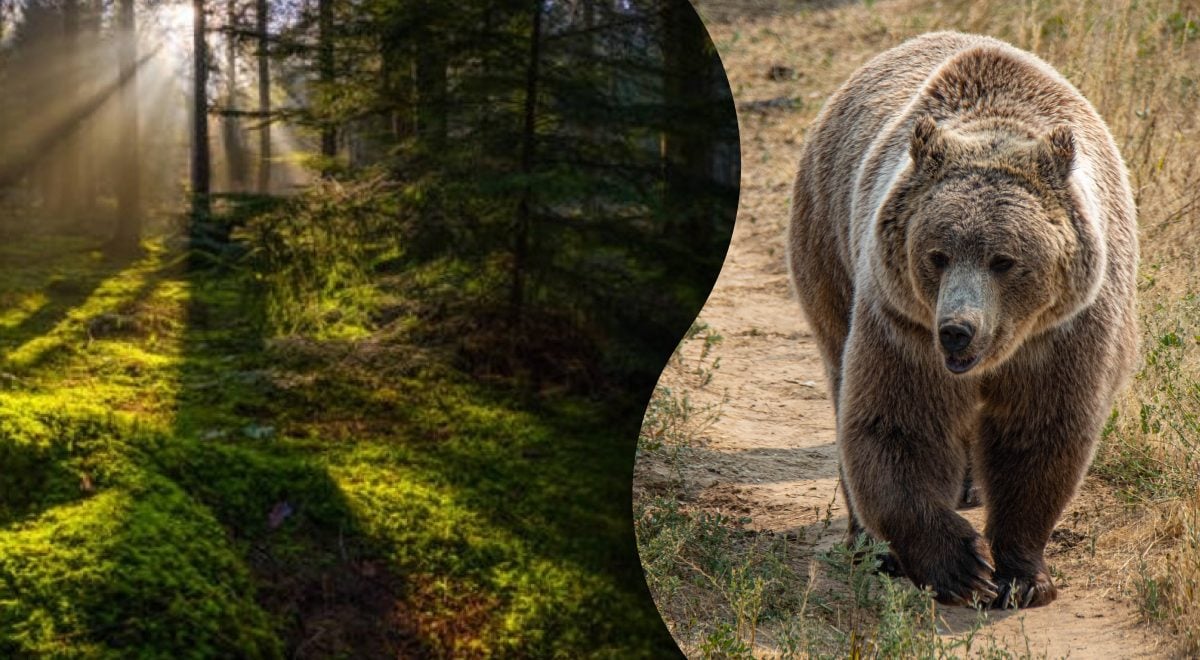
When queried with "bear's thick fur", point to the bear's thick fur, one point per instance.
{"points": [[963, 242]]}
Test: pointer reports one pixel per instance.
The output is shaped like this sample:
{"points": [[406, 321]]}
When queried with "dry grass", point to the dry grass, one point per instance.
{"points": [[1139, 64]]}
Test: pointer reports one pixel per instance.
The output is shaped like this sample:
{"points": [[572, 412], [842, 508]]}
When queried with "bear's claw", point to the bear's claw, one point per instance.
{"points": [[1025, 592], [969, 583]]}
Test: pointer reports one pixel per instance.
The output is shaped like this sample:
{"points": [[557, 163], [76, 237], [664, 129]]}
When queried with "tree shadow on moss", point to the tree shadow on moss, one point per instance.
{"points": [[203, 533], [64, 277], [314, 571], [225, 530], [518, 506], [558, 478], [35, 476], [108, 556], [34, 445]]}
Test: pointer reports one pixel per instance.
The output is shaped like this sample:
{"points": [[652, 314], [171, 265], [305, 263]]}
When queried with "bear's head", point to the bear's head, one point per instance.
{"points": [[987, 229]]}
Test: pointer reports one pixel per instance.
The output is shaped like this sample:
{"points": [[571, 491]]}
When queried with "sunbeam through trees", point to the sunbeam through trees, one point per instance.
{"points": [[327, 326]]}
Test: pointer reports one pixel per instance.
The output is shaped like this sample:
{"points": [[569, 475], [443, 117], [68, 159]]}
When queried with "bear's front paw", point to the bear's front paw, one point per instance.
{"points": [[959, 572], [1025, 591]]}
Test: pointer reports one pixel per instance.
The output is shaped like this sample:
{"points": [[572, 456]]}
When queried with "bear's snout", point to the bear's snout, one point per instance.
{"points": [[961, 347], [956, 336]]}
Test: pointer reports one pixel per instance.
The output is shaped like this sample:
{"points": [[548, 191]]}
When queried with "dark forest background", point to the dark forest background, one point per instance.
{"points": [[327, 326]]}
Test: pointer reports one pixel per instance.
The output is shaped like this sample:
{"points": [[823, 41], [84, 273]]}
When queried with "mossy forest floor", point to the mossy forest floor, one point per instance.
{"points": [[174, 482]]}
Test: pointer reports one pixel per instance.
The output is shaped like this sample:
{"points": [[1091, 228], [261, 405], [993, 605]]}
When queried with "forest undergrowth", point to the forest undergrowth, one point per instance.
{"points": [[202, 461], [326, 327]]}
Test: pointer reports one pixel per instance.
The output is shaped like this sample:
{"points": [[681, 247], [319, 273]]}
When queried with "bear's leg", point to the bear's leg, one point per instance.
{"points": [[1038, 427], [900, 426], [970, 495], [888, 564], [823, 288], [821, 282]]}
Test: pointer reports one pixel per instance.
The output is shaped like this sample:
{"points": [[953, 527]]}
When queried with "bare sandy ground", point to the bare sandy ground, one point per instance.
{"points": [[771, 455]]}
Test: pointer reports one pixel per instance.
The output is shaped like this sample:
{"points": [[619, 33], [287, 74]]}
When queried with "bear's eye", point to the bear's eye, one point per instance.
{"points": [[1001, 264], [938, 260]]}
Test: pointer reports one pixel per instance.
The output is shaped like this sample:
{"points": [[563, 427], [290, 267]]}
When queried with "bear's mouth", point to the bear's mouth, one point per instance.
{"points": [[961, 364]]}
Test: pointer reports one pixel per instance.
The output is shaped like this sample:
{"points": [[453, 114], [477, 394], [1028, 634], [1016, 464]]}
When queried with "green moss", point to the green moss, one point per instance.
{"points": [[103, 553], [179, 482]]}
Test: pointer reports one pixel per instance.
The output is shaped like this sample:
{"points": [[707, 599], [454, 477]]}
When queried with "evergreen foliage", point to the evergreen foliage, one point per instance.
{"points": [[385, 404]]}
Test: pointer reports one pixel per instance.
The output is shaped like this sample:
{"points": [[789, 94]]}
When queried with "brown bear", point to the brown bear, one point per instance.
{"points": [[963, 242]]}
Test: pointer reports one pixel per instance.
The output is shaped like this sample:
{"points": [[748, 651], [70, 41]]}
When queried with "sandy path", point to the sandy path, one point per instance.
{"points": [[771, 455]]}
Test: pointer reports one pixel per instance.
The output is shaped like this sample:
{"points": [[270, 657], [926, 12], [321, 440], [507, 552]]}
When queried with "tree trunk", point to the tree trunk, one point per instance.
{"points": [[200, 155], [235, 157], [431, 94], [67, 195], [264, 98], [589, 24], [89, 186], [129, 213], [528, 145], [325, 65], [687, 153], [394, 87], [5, 121]]}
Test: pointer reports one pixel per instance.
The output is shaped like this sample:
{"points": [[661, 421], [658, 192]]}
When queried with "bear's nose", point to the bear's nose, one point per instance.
{"points": [[956, 336]]}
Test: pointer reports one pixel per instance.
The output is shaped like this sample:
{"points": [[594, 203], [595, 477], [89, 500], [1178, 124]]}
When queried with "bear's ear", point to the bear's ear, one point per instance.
{"points": [[1056, 155], [928, 146]]}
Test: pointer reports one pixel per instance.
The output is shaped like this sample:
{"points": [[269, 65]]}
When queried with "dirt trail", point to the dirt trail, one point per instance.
{"points": [[771, 455]]}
